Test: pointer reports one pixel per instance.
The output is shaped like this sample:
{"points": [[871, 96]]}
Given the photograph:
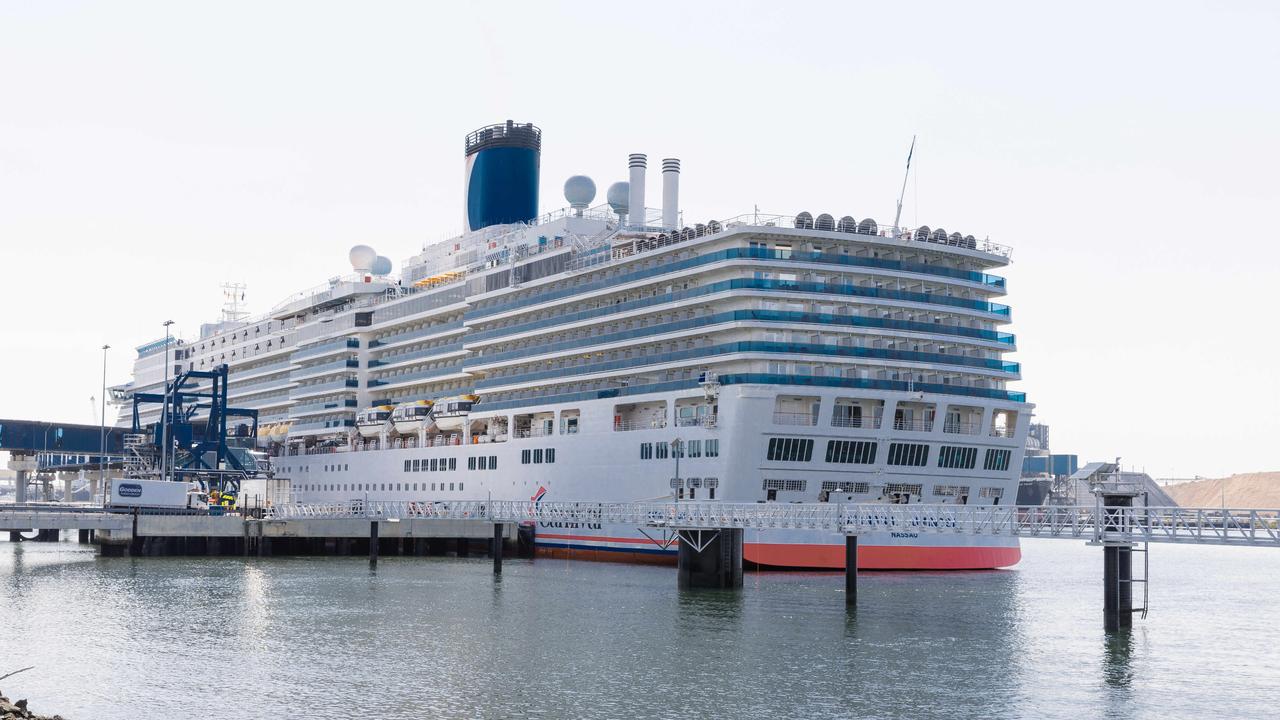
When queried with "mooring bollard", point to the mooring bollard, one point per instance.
{"points": [[850, 570], [497, 549]]}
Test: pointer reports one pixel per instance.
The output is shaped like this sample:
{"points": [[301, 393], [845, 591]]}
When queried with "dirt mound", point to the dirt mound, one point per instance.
{"points": [[1246, 490]]}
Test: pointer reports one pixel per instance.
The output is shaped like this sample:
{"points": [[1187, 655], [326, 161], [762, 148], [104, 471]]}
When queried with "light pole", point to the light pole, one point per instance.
{"points": [[102, 437], [164, 416]]}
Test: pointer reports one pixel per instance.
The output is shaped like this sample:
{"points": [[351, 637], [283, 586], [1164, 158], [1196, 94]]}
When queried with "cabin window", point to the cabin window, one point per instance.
{"points": [[910, 454], [551, 455], [996, 459], [713, 450]]}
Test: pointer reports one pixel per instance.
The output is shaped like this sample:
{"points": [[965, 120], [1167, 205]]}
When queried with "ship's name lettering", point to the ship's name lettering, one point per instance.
{"points": [[570, 525]]}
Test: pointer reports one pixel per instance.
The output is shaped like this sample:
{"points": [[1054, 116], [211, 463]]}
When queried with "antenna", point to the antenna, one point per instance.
{"points": [[232, 296], [898, 215]]}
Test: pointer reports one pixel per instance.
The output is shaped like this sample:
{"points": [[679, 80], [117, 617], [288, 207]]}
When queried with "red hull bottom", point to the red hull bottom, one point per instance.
{"points": [[814, 556]]}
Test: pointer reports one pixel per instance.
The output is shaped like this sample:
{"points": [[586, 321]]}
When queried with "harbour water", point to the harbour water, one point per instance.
{"points": [[441, 637]]}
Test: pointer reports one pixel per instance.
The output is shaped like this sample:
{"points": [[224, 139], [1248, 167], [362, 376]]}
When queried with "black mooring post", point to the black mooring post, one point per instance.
{"points": [[850, 570], [497, 549], [373, 542]]}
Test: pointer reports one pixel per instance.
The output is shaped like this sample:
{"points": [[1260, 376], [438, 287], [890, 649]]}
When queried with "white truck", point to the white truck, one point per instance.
{"points": [[130, 493]]}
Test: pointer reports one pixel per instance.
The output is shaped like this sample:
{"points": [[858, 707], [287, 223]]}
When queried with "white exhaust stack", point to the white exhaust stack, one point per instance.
{"points": [[671, 193], [637, 163]]}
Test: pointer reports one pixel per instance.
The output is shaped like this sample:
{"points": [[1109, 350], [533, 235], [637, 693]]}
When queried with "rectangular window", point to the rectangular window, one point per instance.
{"points": [[858, 452], [406, 466], [951, 456], [450, 486], [493, 462], [433, 487], [537, 456], [453, 463], [471, 463], [551, 455], [444, 465], [525, 457], [646, 451], [909, 454], [483, 462], [786, 485], [996, 459], [434, 465], [415, 466], [695, 448], [713, 448], [660, 450], [790, 449], [459, 487]]}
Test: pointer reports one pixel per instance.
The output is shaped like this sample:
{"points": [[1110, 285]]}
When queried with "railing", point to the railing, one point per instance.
{"points": [[326, 347], [961, 428], [704, 421], [913, 425], [420, 354], [868, 422], [475, 336], [750, 346], [794, 418], [331, 386], [416, 333], [629, 425], [661, 328], [532, 433], [544, 296], [325, 368], [450, 369], [1003, 432], [1111, 524]]}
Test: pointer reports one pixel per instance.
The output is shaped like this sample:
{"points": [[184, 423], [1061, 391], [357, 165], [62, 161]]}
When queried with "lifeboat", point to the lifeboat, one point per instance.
{"points": [[373, 422], [450, 414], [280, 432], [412, 417], [264, 433]]}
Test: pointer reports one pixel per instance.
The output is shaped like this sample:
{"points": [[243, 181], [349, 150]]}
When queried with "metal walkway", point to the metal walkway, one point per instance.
{"points": [[1204, 526]]}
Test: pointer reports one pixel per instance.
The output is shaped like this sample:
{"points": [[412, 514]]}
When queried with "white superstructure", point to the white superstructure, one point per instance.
{"points": [[602, 353]]}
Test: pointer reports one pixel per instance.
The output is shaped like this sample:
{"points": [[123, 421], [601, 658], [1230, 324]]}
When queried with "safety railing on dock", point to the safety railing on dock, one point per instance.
{"points": [[1215, 526]]}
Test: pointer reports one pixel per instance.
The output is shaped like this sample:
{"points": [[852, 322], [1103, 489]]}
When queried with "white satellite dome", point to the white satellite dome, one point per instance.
{"points": [[617, 196], [382, 265], [579, 190], [362, 258]]}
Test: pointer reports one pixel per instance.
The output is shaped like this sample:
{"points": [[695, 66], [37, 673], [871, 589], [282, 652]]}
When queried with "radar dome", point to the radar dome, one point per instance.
{"points": [[579, 190], [617, 196], [382, 265], [362, 258]]}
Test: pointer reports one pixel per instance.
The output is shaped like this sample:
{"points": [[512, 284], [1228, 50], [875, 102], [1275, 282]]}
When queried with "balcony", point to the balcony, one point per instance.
{"points": [[795, 418], [325, 348], [631, 425], [1003, 432], [328, 368], [416, 333], [913, 425], [349, 384], [956, 427], [870, 423], [705, 421]]}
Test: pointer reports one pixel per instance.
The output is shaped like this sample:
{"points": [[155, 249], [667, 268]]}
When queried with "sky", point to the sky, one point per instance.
{"points": [[150, 152]]}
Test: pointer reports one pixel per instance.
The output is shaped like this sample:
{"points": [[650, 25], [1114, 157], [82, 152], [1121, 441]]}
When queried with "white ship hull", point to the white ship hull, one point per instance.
{"points": [[602, 464]]}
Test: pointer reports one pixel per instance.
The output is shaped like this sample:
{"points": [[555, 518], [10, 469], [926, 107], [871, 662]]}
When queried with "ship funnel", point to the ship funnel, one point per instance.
{"points": [[671, 193], [501, 181], [637, 162]]}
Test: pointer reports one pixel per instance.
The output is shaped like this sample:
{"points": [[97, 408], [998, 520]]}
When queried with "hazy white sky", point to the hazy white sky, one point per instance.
{"points": [[1127, 151]]}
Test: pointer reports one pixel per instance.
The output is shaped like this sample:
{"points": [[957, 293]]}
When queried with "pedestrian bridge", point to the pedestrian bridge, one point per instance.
{"points": [[1094, 523]]}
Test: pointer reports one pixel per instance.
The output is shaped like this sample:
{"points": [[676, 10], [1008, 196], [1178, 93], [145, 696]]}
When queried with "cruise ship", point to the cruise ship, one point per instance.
{"points": [[617, 352]]}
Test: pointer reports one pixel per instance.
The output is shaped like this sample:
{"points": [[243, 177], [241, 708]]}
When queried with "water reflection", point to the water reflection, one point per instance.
{"points": [[1117, 666]]}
